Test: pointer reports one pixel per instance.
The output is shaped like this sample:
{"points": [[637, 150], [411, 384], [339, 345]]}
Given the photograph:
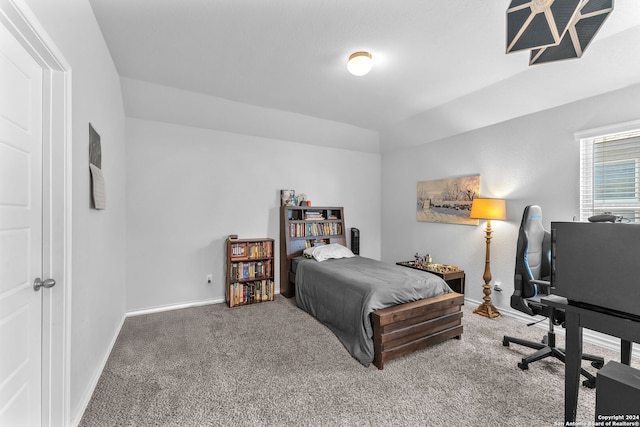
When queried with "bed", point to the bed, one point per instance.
{"points": [[378, 311]]}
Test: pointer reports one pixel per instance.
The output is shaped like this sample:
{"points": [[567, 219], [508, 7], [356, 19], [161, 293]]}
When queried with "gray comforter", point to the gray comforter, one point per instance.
{"points": [[342, 293]]}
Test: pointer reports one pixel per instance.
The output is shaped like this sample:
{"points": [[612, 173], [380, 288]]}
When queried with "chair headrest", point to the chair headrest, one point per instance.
{"points": [[532, 218]]}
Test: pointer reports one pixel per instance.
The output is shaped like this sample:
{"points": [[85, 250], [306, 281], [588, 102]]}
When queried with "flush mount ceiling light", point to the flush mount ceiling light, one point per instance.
{"points": [[360, 63]]}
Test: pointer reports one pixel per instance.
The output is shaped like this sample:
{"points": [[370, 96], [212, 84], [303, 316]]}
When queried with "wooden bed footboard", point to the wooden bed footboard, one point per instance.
{"points": [[405, 328]]}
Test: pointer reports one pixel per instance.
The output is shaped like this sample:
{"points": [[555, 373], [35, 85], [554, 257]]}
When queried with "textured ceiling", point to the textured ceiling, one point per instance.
{"points": [[291, 55]]}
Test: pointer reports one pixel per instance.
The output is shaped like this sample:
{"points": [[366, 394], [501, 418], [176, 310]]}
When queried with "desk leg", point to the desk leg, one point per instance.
{"points": [[625, 352], [572, 365]]}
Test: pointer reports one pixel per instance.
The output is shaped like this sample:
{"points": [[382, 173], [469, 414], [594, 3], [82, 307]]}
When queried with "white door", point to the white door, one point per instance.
{"points": [[20, 234]]}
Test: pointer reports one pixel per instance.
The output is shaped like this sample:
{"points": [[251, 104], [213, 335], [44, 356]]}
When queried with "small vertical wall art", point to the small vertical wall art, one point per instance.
{"points": [[98, 194]]}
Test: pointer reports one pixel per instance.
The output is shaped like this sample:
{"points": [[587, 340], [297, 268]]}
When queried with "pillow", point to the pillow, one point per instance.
{"points": [[332, 250]]}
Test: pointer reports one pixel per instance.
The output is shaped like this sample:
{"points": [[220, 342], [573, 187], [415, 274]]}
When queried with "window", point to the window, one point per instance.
{"points": [[610, 172]]}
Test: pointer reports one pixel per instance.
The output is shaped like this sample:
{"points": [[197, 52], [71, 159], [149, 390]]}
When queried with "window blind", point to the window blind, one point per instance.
{"points": [[610, 175]]}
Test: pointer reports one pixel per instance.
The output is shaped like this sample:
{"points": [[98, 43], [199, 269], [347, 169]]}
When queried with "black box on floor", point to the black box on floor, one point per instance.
{"points": [[617, 393]]}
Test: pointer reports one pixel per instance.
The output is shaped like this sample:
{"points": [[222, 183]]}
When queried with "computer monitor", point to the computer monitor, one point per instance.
{"points": [[597, 264]]}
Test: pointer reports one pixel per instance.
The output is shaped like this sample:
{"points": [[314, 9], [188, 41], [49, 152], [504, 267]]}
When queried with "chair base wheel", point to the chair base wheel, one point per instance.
{"points": [[550, 350]]}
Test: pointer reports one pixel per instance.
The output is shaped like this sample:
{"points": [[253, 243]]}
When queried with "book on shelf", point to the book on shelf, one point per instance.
{"points": [[256, 250], [315, 229], [252, 250], [314, 215], [238, 250], [316, 242], [251, 269], [251, 292]]}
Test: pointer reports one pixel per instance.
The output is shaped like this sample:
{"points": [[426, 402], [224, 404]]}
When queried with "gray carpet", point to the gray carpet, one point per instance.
{"points": [[271, 364]]}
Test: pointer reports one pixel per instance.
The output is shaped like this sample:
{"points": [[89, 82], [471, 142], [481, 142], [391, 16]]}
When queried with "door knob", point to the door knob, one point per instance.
{"points": [[39, 283]]}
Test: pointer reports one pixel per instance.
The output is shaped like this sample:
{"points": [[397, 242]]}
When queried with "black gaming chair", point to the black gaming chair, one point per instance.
{"points": [[531, 283]]}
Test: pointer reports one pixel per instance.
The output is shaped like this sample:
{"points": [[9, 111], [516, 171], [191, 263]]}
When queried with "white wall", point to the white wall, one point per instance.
{"points": [[144, 100], [98, 242], [528, 160], [189, 188], [185, 192]]}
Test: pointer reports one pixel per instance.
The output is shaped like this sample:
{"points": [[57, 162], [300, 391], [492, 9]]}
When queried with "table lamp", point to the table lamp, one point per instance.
{"points": [[488, 209]]}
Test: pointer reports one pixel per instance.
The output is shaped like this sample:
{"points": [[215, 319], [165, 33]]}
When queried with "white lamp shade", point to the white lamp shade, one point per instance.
{"points": [[360, 63]]}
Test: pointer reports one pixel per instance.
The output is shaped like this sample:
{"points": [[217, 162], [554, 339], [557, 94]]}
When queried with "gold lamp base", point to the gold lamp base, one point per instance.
{"points": [[488, 209], [487, 309]]}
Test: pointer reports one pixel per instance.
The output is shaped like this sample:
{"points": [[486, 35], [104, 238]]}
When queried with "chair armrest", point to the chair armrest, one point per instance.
{"points": [[545, 284]]}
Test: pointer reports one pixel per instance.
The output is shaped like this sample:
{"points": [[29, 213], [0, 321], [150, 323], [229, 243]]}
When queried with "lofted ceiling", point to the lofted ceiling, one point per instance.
{"points": [[291, 55]]}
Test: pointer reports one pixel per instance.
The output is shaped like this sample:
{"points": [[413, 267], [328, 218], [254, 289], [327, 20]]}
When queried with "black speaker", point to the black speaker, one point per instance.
{"points": [[617, 394], [355, 240]]}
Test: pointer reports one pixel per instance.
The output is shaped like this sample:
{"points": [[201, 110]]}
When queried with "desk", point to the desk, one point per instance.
{"points": [[455, 279], [604, 321]]}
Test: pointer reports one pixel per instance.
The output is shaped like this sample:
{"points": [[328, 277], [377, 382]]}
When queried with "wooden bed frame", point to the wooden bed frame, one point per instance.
{"points": [[397, 330], [405, 328]]}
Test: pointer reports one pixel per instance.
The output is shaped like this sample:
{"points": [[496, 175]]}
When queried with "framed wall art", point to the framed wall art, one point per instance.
{"points": [[447, 200], [98, 193]]}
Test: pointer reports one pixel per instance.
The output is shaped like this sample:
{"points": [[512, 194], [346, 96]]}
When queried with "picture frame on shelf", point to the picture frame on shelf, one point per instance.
{"points": [[287, 197], [238, 250]]}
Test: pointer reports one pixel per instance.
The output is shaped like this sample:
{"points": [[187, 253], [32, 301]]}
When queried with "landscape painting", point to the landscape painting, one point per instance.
{"points": [[447, 200]]}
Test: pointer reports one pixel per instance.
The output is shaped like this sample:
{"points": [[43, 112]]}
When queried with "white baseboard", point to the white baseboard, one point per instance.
{"points": [[592, 337], [94, 381], [173, 307], [96, 377], [589, 336]]}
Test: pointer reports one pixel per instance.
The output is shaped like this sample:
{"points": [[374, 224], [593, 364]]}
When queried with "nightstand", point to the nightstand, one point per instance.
{"points": [[455, 279]]}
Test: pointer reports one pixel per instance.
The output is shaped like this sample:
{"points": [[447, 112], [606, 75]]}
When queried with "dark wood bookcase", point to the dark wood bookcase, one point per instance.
{"points": [[250, 269], [302, 227]]}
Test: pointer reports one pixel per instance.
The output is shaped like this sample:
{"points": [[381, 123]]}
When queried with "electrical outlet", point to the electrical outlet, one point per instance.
{"points": [[209, 278], [496, 286]]}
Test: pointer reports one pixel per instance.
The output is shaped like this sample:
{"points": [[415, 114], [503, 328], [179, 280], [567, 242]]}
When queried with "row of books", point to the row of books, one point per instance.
{"points": [[252, 250], [317, 242], [313, 215], [315, 229], [251, 292], [317, 215], [251, 270], [238, 249], [261, 249]]}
